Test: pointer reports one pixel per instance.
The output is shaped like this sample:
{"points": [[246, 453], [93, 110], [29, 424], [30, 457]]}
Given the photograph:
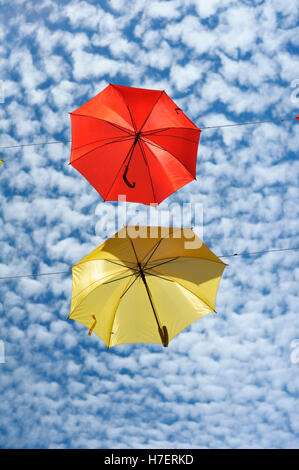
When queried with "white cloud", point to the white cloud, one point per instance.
{"points": [[88, 65], [190, 74], [163, 9], [206, 9]]}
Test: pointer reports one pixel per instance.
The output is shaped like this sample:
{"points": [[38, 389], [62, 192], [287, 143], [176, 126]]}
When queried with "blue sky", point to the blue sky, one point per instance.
{"points": [[227, 381]]}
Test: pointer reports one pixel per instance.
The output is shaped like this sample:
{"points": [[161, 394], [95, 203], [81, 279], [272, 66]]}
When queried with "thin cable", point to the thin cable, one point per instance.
{"points": [[34, 275], [222, 256], [258, 252], [249, 123], [38, 143], [201, 128]]}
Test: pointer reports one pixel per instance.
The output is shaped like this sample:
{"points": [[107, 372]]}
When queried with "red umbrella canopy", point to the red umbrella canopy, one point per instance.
{"points": [[134, 142]]}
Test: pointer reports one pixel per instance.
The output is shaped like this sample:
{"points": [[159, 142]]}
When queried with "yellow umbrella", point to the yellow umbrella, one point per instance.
{"points": [[145, 288], [1, 161]]}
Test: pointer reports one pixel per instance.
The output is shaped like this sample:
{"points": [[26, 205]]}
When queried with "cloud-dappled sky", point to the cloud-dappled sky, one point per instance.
{"points": [[228, 380]]}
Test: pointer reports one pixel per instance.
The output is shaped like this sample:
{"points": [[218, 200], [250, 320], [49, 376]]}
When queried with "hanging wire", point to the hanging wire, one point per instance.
{"points": [[249, 123], [37, 143], [34, 275], [201, 128], [258, 252], [221, 256]]}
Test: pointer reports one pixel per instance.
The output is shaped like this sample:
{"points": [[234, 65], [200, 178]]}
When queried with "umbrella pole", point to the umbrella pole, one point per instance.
{"points": [[162, 330]]}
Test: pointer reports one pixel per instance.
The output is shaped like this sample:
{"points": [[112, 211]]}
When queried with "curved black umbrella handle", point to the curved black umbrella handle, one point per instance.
{"points": [[131, 185]]}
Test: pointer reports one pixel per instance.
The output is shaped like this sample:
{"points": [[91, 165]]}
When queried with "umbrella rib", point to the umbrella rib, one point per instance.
{"points": [[169, 135], [164, 262], [133, 122], [108, 138], [124, 161], [190, 257], [177, 282], [172, 259], [97, 147], [198, 296], [124, 129], [114, 315], [157, 275], [75, 296], [109, 261], [156, 131], [130, 286], [162, 129], [147, 165], [151, 110], [118, 279], [156, 246], [154, 249], [125, 266], [161, 148], [134, 250]]}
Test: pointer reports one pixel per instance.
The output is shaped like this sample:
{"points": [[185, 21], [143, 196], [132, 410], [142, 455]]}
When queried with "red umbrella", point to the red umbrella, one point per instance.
{"points": [[134, 142]]}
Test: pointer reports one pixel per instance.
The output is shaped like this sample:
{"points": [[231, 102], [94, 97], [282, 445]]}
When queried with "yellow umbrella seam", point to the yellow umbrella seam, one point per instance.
{"points": [[89, 292], [198, 296], [188, 257], [104, 259], [115, 312]]}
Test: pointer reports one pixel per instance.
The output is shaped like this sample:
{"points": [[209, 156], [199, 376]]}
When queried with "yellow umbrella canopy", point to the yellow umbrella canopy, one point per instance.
{"points": [[145, 285]]}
